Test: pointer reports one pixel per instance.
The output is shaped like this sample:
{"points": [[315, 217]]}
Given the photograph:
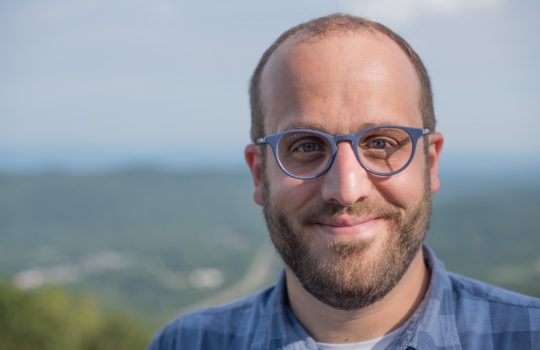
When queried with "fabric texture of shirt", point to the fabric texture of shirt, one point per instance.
{"points": [[456, 313]]}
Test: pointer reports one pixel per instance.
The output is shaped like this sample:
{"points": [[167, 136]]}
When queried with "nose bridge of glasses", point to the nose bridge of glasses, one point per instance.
{"points": [[343, 138]]}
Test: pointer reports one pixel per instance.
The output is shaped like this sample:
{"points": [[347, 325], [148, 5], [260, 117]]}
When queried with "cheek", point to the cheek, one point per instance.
{"points": [[288, 193], [406, 188]]}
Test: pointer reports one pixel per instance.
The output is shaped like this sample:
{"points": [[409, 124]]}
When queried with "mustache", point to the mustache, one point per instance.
{"points": [[327, 210]]}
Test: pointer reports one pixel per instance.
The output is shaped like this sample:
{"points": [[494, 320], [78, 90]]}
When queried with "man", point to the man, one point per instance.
{"points": [[344, 162]]}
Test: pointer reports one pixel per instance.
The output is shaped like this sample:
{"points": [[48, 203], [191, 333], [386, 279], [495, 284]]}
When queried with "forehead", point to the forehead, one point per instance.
{"points": [[339, 83]]}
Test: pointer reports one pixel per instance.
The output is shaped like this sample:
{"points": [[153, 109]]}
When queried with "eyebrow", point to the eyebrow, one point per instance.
{"points": [[320, 127]]}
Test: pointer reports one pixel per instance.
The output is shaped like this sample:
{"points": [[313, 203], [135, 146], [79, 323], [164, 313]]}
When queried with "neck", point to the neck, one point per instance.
{"points": [[329, 325]]}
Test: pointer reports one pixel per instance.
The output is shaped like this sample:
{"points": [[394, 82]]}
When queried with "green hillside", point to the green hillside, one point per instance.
{"points": [[157, 243]]}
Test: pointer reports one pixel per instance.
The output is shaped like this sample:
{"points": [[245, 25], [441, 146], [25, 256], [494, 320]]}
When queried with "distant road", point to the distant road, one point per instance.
{"points": [[258, 274]]}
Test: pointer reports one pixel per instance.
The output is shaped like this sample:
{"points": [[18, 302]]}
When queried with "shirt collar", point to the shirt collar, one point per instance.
{"points": [[433, 324], [279, 328]]}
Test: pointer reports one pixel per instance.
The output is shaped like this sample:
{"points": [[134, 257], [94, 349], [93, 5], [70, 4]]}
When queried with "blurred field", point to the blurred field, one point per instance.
{"points": [[154, 243]]}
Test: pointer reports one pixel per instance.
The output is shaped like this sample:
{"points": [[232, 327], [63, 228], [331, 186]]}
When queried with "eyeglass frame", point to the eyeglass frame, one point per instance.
{"points": [[274, 139]]}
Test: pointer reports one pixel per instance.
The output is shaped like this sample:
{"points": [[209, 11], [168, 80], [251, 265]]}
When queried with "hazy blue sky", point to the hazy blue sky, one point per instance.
{"points": [[101, 82]]}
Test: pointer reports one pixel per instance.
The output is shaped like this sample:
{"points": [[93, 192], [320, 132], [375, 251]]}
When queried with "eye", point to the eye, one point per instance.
{"points": [[302, 149], [307, 147], [385, 149], [378, 143]]}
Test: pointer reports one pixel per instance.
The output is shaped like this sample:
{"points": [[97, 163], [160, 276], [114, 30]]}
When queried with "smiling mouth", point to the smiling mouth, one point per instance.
{"points": [[349, 226]]}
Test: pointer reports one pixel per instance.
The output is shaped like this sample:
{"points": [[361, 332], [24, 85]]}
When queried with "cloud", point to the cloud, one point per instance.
{"points": [[406, 11]]}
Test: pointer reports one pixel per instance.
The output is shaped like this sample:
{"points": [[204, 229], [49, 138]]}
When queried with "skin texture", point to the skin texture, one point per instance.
{"points": [[350, 240]]}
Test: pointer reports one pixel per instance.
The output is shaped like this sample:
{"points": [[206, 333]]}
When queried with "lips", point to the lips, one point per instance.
{"points": [[347, 221], [349, 226]]}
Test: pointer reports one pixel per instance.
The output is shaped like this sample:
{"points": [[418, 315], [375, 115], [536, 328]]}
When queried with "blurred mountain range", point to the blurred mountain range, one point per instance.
{"points": [[159, 242]]}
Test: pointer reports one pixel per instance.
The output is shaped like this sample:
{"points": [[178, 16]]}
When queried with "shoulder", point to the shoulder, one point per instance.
{"points": [[484, 310], [223, 327], [469, 288]]}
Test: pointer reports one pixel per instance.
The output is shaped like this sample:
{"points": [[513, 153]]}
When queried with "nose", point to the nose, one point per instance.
{"points": [[346, 182]]}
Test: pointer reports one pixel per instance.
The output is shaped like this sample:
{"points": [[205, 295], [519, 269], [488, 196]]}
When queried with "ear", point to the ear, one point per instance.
{"points": [[436, 141], [252, 155]]}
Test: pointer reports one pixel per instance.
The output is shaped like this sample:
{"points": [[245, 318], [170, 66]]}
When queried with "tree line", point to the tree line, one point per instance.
{"points": [[51, 318]]}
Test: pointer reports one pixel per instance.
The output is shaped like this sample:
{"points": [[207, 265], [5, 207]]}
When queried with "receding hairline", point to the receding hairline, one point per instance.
{"points": [[336, 25], [305, 37]]}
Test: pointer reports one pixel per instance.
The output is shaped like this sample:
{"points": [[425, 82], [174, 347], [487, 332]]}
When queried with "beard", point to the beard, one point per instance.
{"points": [[349, 275]]}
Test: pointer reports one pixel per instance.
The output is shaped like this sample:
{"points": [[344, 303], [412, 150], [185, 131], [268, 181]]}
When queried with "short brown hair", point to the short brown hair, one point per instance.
{"points": [[324, 26]]}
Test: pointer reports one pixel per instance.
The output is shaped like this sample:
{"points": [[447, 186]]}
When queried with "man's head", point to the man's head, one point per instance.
{"points": [[349, 235]]}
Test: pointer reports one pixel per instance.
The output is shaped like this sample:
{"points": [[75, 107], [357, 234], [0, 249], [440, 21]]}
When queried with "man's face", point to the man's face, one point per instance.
{"points": [[348, 236]]}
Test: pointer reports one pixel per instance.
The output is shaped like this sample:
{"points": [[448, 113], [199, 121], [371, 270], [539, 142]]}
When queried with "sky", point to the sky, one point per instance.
{"points": [[105, 83]]}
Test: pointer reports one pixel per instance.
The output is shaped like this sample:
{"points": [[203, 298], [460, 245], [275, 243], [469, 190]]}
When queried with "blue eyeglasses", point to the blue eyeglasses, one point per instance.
{"points": [[307, 154]]}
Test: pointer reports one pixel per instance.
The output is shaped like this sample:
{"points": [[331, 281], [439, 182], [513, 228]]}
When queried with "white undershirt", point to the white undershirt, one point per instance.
{"points": [[372, 344]]}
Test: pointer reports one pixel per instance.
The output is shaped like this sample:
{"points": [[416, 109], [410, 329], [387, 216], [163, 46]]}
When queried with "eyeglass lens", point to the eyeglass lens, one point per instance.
{"points": [[383, 150]]}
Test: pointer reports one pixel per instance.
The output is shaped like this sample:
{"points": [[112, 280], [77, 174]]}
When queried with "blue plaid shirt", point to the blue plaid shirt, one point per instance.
{"points": [[456, 313]]}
